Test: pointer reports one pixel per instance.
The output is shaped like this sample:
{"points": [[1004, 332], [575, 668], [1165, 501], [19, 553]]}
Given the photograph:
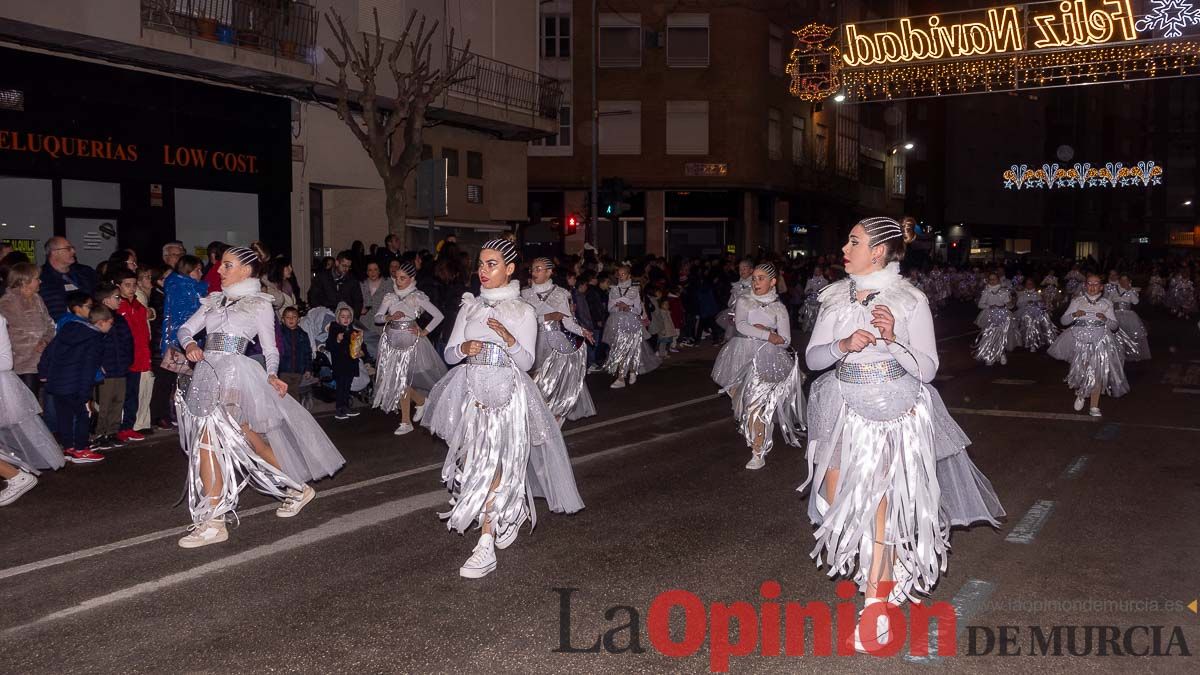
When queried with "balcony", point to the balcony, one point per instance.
{"points": [[508, 86], [285, 28]]}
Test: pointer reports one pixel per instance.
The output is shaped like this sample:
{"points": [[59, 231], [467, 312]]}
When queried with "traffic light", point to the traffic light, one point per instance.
{"points": [[572, 224], [614, 198]]}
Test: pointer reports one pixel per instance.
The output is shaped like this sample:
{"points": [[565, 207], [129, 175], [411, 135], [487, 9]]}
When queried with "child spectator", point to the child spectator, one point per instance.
{"points": [[138, 319], [345, 362], [69, 366], [295, 352], [675, 305], [663, 327], [116, 357]]}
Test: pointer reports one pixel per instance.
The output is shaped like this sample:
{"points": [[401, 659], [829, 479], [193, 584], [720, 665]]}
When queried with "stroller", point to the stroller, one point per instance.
{"points": [[316, 324]]}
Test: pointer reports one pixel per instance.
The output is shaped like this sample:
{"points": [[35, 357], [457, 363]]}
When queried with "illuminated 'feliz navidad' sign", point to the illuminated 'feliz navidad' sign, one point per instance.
{"points": [[1079, 176], [1047, 25]]}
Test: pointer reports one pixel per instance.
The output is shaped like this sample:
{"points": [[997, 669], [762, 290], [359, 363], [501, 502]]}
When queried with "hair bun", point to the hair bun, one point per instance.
{"points": [[909, 225]]}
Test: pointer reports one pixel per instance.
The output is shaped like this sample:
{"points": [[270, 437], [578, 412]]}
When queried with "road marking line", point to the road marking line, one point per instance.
{"points": [[1185, 390], [174, 531], [967, 602], [1076, 467], [1031, 523], [1066, 417], [955, 337]]}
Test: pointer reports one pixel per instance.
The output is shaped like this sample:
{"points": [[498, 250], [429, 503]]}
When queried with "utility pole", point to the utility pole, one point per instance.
{"points": [[594, 218]]}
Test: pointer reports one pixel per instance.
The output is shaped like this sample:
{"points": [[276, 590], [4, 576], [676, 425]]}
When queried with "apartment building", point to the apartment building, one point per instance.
{"points": [[127, 124]]}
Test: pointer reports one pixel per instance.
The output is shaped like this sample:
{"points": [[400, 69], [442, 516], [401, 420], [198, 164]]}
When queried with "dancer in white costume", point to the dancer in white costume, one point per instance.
{"points": [[768, 389], [1035, 328], [887, 464], [725, 320], [998, 326], [408, 365], [1132, 335], [26, 444], [560, 363], [1090, 347], [625, 332], [812, 305], [504, 446], [237, 424]]}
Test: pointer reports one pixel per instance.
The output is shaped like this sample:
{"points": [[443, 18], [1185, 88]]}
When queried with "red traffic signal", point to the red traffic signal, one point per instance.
{"points": [[572, 224]]}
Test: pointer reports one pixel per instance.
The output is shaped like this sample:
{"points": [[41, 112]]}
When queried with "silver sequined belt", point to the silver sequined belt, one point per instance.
{"points": [[226, 343], [399, 324], [876, 372], [1123, 306], [490, 355], [1089, 323], [550, 326]]}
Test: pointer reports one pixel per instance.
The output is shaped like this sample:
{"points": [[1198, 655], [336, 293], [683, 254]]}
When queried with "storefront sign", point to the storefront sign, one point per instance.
{"points": [[1048, 25], [27, 246], [705, 170], [56, 147]]}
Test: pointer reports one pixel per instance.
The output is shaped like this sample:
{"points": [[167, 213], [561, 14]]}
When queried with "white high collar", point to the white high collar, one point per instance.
{"points": [[766, 298], [625, 284], [403, 293], [542, 288], [495, 295], [242, 288], [879, 279]]}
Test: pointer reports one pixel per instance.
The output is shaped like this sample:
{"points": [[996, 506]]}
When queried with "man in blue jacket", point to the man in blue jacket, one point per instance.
{"points": [[68, 367], [62, 274]]}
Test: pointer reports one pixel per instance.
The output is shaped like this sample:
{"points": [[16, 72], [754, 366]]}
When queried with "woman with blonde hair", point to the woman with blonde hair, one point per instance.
{"points": [[30, 327]]}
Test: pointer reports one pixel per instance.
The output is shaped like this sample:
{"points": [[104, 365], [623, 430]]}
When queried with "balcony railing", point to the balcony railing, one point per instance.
{"points": [[508, 86], [285, 28]]}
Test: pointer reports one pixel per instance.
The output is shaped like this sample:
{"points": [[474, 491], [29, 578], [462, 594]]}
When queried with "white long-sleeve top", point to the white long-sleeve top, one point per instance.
{"points": [[1027, 297], [506, 306], [630, 294], [750, 310], [1129, 295], [1091, 308], [6, 359], [839, 318], [413, 303], [995, 296], [548, 298], [241, 310], [742, 286]]}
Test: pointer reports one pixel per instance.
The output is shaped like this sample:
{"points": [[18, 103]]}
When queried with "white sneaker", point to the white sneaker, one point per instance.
{"points": [[17, 485], [295, 501], [594, 369], [482, 560], [404, 428], [756, 462], [418, 413], [1094, 412], [1078, 403], [618, 384], [509, 535], [1004, 359], [203, 534], [882, 629], [632, 378]]}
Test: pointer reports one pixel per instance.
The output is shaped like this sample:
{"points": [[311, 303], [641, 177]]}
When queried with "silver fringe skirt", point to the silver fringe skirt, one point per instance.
{"points": [[405, 360], [495, 423], [1095, 358], [628, 351], [999, 335], [770, 392], [225, 391], [561, 371], [1133, 336], [1036, 330], [25, 441], [892, 440]]}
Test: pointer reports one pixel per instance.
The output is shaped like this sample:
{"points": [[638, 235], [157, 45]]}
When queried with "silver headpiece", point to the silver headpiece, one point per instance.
{"points": [[504, 247], [880, 229]]}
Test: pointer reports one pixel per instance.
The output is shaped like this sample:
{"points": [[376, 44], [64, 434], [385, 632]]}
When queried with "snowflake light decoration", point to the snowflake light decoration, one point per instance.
{"points": [[1083, 175], [1170, 15]]}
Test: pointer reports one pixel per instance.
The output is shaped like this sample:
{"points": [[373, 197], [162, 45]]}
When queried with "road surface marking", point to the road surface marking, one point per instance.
{"points": [[1185, 390], [1031, 523], [174, 531], [955, 337], [967, 602], [1076, 467], [1066, 417]]}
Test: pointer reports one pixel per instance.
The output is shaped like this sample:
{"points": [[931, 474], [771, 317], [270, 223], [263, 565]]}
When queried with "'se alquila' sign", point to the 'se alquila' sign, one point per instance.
{"points": [[1071, 23]]}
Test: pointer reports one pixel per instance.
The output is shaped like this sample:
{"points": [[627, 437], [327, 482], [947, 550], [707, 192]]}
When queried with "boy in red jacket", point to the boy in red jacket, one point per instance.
{"points": [[138, 318]]}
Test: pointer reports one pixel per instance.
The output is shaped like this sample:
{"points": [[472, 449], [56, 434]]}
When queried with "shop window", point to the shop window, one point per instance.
{"points": [[87, 194], [451, 157], [475, 165], [620, 41], [202, 216], [27, 214], [687, 41]]}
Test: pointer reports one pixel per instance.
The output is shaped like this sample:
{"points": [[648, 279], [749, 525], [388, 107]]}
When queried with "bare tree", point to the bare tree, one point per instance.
{"points": [[390, 128]]}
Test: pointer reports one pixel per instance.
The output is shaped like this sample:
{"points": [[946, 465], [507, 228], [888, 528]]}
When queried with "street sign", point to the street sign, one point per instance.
{"points": [[431, 188]]}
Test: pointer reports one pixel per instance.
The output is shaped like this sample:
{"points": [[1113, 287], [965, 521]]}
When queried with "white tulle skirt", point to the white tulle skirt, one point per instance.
{"points": [[1096, 360], [25, 441], [733, 360], [561, 376], [405, 360], [628, 351], [1133, 336], [896, 441], [1035, 328], [237, 393], [495, 422]]}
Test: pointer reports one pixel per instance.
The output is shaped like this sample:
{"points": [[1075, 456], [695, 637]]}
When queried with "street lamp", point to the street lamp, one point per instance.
{"points": [[1188, 203], [907, 145], [839, 97]]}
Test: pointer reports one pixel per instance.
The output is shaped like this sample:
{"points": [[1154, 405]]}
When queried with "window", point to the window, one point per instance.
{"points": [[620, 41], [620, 127], [1084, 249], [775, 50], [426, 152], [870, 172], [451, 157], [774, 142], [687, 41], [847, 141], [563, 137], [556, 36], [798, 129], [475, 165], [821, 141], [474, 194], [687, 127]]}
